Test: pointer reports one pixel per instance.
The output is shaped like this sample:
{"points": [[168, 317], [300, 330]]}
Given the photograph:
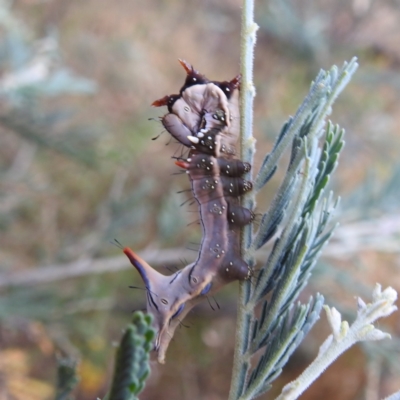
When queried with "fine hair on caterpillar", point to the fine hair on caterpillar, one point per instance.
{"points": [[205, 118]]}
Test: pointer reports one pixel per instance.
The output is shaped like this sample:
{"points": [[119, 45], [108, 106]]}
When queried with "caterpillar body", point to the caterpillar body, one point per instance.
{"points": [[205, 117]]}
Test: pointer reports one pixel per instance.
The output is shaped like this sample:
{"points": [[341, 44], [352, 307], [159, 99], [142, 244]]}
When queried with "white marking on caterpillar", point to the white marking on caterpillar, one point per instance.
{"points": [[193, 139]]}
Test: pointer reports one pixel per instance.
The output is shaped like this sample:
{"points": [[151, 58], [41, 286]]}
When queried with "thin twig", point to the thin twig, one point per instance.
{"points": [[348, 240], [90, 266], [248, 40]]}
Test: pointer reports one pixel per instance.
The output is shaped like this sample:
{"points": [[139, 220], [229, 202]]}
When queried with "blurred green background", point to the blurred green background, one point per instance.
{"points": [[78, 168]]}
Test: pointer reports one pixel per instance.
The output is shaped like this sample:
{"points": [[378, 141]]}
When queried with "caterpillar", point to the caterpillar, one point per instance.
{"points": [[204, 117]]}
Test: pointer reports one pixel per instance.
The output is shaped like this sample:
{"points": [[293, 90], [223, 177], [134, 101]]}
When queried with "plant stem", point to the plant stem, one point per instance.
{"points": [[248, 39]]}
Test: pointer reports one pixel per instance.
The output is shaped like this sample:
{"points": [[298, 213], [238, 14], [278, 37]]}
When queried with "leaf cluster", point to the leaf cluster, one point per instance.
{"points": [[298, 218]]}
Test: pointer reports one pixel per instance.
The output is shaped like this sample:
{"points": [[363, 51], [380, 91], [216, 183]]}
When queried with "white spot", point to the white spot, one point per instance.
{"points": [[227, 89], [189, 159], [209, 137], [200, 134], [204, 130], [194, 79], [193, 139]]}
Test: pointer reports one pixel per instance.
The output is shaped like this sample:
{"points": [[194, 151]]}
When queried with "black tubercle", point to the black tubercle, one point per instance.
{"points": [[229, 86], [235, 187], [172, 98], [226, 87], [193, 77], [235, 268], [203, 164], [232, 187], [239, 216], [209, 144], [233, 167]]}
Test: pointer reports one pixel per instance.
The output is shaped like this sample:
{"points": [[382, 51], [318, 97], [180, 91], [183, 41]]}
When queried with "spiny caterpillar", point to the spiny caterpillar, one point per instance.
{"points": [[205, 117]]}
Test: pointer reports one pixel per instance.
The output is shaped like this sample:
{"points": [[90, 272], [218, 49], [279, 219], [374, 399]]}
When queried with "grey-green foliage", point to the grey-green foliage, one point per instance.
{"points": [[132, 359], [32, 71], [302, 214], [66, 378], [304, 32], [374, 197]]}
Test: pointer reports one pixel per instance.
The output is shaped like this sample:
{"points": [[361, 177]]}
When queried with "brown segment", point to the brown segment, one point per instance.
{"points": [[235, 187], [201, 164]]}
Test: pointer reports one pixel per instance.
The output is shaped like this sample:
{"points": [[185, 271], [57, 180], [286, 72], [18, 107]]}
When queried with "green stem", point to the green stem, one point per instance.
{"points": [[248, 39]]}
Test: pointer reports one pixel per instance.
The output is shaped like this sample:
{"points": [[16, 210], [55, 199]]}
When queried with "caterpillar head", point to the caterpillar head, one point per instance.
{"points": [[203, 108]]}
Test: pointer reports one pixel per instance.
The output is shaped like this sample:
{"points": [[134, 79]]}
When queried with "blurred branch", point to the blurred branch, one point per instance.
{"points": [[379, 234], [348, 240], [91, 243], [88, 267], [22, 162], [36, 131]]}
